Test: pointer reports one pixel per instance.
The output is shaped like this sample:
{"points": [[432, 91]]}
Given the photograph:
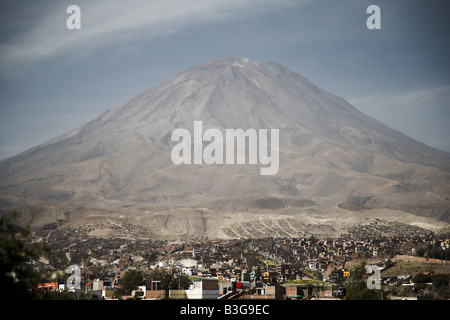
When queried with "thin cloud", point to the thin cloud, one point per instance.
{"points": [[421, 114], [404, 99], [109, 22]]}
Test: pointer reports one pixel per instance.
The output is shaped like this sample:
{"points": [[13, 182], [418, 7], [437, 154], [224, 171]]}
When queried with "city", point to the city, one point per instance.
{"points": [[245, 268]]}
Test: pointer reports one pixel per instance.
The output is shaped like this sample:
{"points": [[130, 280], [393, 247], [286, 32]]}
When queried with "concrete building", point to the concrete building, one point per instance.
{"points": [[203, 289]]}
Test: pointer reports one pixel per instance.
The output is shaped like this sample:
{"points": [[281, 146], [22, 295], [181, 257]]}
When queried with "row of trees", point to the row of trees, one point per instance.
{"points": [[434, 251]]}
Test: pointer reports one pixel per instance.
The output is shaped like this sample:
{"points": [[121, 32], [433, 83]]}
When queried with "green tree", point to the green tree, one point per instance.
{"points": [[273, 281], [420, 252], [170, 281], [337, 277], [440, 280], [182, 281], [163, 276], [357, 285], [421, 278], [132, 279], [151, 259], [17, 277]]}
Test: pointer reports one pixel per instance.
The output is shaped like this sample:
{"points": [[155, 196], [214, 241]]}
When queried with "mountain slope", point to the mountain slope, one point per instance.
{"points": [[329, 151]]}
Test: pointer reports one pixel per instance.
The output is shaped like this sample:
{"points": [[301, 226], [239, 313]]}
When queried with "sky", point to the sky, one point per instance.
{"points": [[54, 79]]}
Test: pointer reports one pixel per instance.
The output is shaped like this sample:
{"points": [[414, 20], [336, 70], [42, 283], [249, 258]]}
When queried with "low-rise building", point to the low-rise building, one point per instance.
{"points": [[203, 289]]}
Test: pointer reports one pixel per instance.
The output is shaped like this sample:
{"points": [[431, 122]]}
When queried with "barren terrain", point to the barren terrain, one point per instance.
{"points": [[215, 222], [338, 167]]}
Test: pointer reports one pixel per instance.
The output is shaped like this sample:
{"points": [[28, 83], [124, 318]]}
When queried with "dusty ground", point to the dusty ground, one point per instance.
{"points": [[183, 223]]}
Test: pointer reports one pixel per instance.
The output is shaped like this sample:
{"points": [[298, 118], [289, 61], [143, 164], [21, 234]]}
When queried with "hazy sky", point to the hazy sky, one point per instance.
{"points": [[53, 79]]}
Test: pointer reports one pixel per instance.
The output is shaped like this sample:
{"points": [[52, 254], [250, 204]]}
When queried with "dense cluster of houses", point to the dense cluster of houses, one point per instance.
{"points": [[257, 263]]}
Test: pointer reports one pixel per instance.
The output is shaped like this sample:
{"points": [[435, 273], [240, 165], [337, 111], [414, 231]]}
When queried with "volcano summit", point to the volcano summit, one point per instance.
{"points": [[332, 159]]}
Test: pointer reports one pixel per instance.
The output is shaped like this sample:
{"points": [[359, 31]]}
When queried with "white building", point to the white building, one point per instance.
{"points": [[203, 289]]}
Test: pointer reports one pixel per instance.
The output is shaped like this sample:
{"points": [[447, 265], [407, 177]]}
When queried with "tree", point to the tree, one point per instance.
{"points": [[337, 277], [440, 280], [17, 277], [273, 281], [182, 281], [132, 279], [164, 277], [420, 252], [421, 278], [151, 259], [170, 281]]}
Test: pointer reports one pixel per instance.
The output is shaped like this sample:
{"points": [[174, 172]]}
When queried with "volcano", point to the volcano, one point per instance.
{"points": [[330, 154]]}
